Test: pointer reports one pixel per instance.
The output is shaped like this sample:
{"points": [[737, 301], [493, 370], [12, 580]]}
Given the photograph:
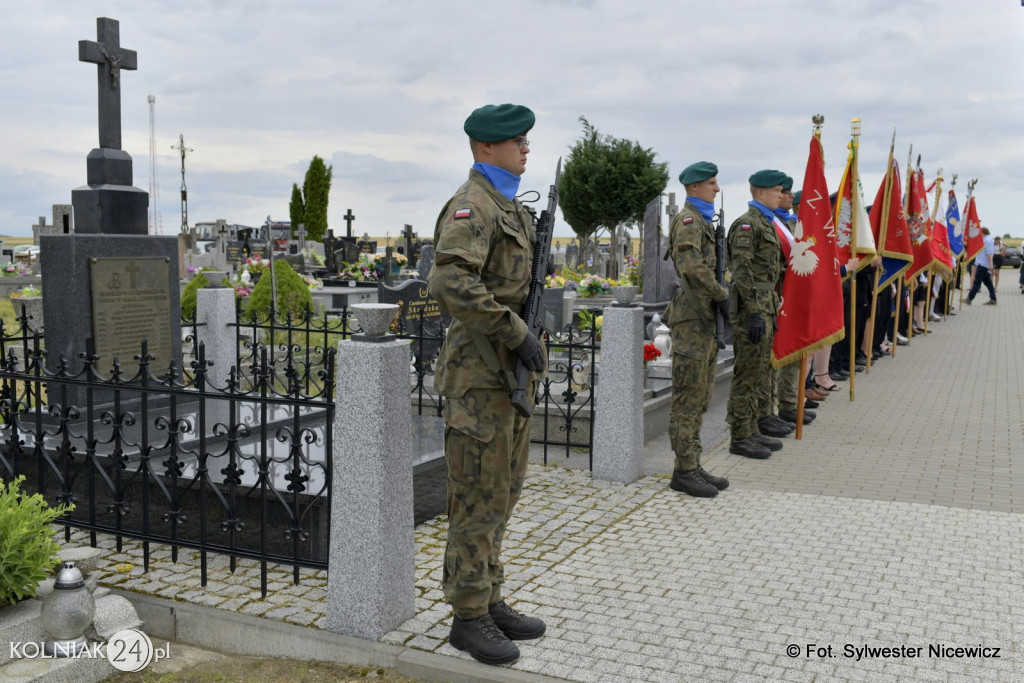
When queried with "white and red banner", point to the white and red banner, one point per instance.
{"points": [[811, 315]]}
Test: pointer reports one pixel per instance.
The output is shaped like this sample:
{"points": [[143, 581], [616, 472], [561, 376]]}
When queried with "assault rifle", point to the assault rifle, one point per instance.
{"points": [[720, 271], [532, 309]]}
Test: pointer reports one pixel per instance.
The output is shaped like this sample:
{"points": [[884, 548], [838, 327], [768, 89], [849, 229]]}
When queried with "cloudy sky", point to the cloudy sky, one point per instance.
{"points": [[380, 90]]}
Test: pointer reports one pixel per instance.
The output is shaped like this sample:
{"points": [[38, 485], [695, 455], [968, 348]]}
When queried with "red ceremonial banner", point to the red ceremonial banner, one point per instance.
{"points": [[975, 241], [811, 314], [919, 224], [891, 233]]}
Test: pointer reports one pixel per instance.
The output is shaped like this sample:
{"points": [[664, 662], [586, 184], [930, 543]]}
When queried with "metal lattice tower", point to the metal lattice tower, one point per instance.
{"points": [[180, 147], [155, 220]]}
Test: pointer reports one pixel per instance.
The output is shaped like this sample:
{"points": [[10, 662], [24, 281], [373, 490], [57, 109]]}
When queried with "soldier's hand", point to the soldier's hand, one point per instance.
{"points": [[755, 327], [723, 308], [531, 353]]}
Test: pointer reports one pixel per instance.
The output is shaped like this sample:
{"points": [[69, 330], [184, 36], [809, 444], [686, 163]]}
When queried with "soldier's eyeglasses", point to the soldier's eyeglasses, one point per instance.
{"points": [[521, 142]]}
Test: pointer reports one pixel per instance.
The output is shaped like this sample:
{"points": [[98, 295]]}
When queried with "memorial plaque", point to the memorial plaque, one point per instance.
{"points": [[234, 251], [419, 315], [131, 301]]}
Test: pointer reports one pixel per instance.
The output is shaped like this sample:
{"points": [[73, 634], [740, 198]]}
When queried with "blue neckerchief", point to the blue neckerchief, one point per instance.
{"points": [[765, 211], [785, 215], [504, 182], [706, 209]]}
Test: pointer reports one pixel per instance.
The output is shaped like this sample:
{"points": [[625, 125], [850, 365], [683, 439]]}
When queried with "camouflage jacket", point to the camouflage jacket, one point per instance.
{"points": [[692, 246], [755, 260], [481, 275]]}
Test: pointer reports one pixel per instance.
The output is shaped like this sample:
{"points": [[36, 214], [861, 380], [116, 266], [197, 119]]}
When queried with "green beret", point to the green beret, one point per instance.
{"points": [[767, 178], [498, 122], [698, 172], [787, 184], [796, 197]]}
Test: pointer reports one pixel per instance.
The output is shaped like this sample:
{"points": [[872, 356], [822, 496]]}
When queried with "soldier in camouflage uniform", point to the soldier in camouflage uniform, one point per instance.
{"points": [[755, 260], [691, 317], [481, 276]]}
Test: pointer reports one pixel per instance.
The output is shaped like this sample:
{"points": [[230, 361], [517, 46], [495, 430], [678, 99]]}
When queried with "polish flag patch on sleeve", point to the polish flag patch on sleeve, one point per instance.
{"points": [[462, 213], [745, 226], [687, 220]]}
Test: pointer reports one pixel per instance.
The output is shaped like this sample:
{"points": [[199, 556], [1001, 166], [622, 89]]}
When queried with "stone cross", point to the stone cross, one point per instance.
{"points": [[409, 234], [300, 234], [348, 223], [108, 55], [671, 209]]}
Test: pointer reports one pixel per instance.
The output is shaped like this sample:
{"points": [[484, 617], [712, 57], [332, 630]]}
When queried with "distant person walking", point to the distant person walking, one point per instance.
{"points": [[997, 261], [982, 270]]}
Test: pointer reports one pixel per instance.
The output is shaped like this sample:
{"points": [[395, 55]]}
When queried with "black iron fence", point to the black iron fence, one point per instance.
{"points": [[145, 453], [165, 455]]}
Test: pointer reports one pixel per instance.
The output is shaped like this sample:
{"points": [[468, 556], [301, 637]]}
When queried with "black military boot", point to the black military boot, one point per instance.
{"points": [[691, 483], [790, 416], [772, 426], [514, 625], [720, 483], [483, 640], [749, 448], [768, 442]]}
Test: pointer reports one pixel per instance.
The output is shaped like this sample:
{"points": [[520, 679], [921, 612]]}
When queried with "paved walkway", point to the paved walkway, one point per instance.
{"points": [[896, 522]]}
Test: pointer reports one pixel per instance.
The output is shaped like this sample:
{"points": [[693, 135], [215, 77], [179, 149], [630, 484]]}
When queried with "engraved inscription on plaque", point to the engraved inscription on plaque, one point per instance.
{"points": [[131, 301]]}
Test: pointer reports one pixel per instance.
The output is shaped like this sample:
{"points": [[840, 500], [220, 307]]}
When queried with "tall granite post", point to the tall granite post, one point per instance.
{"points": [[215, 314], [109, 280], [371, 577], [619, 429]]}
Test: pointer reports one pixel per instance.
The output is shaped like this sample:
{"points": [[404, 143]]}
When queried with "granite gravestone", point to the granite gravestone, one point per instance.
{"points": [[426, 260], [94, 272], [329, 252], [659, 273], [572, 254]]}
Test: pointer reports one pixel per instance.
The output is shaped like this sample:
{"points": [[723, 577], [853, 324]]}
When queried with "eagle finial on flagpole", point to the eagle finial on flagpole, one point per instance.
{"points": [[953, 184]]}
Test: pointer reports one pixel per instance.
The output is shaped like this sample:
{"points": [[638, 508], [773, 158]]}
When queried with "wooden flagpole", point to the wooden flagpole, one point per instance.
{"points": [[855, 145]]}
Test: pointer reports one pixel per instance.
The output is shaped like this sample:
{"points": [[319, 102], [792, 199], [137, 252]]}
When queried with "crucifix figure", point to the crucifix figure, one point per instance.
{"points": [[348, 223], [109, 57]]}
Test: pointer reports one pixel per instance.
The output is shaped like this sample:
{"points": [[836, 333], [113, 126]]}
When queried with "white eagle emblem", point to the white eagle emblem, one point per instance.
{"points": [[802, 261], [972, 229], [958, 230], [845, 221]]}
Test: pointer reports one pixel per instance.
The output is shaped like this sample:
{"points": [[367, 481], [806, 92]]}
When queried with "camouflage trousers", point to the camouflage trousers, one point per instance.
{"points": [[786, 388], [486, 446], [751, 388], [694, 362]]}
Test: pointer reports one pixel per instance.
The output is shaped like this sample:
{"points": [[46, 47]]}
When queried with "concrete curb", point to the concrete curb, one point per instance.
{"points": [[239, 634]]}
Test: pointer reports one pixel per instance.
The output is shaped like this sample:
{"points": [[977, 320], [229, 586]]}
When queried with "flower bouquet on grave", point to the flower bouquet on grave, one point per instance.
{"points": [[27, 292], [255, 264], [363, 269], [651, 352], [593, 285]]}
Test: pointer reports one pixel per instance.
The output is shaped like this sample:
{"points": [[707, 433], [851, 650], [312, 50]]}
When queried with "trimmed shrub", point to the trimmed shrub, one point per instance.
{"points": [[28, 552], [292, 292]]}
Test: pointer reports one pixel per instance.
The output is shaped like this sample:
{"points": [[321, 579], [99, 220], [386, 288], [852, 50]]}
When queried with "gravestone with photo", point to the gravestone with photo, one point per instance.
{"points": [[112, 282]]}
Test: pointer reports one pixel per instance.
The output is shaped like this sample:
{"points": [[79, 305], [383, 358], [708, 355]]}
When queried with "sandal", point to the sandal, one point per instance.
{"points": [[834, 387]]}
